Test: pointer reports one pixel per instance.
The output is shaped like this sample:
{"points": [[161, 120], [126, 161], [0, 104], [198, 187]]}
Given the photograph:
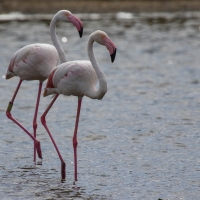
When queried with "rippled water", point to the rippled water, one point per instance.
{"points": [[141, 141]]}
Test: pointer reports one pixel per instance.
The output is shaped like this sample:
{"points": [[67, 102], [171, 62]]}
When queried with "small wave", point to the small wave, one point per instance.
{"points": [[124, 15], [16, 16]]}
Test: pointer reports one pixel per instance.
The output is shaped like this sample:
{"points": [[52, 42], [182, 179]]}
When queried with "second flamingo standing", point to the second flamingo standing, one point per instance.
{"points": [[78, 78]]}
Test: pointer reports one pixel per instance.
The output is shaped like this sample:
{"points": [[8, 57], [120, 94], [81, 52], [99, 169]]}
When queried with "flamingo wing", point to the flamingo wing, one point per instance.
{"points": [[71, 78], [33, 62]]}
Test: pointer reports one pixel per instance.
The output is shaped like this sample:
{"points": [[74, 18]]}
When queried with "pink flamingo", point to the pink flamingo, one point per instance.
{"points": [[35, 62], [78, 78]]}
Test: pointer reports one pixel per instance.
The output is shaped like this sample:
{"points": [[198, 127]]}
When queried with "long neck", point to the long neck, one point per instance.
{"points": [[55, 41], [100, 92]]}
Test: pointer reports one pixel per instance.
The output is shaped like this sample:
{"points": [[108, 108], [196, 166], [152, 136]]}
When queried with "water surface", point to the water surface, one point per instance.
{"points": [[140, 142]]}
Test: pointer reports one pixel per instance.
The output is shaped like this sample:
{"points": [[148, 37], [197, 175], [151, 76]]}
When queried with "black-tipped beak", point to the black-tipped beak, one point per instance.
{"points": [[81, 32], [113, 55]]}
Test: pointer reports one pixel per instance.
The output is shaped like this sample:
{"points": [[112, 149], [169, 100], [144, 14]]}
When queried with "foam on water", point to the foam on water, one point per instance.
{"points": [[17, 16]]}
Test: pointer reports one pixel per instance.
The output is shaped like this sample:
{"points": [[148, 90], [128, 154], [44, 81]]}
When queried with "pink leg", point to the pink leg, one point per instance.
{"points": [[75, 142], [43, 120], [9, 115], [35, 117]]}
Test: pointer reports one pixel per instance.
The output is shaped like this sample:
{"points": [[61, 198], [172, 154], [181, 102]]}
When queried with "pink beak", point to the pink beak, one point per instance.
{"points": [[111, 48], [77, 23]]}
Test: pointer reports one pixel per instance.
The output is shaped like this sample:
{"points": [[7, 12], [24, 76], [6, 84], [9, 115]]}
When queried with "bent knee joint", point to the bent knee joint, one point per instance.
{"points": [[9, 108], [75, 142], [8, 111], [43, 120], [35, 125]]}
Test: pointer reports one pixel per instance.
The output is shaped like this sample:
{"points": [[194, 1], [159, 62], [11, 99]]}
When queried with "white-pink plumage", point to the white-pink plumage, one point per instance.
{"points": [[35, 62], [78, 78]]}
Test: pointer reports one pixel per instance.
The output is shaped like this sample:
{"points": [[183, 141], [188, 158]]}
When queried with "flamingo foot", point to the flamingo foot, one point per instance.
{"points": [[74, 183], [38, 147], [63, 171]]}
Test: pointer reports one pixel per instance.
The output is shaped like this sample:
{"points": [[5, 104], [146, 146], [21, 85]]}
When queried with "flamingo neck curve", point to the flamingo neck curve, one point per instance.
{"points": [[55, 40], [101, 91]]}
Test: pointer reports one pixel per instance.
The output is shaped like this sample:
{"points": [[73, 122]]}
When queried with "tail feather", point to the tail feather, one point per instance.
{"points": [[50, 89], [45, 92], [50, 80], [9, 75]]}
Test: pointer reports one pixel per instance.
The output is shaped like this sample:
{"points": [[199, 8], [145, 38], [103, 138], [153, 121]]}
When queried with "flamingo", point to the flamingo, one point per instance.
{"points": [[35, 62], [78, 78]]}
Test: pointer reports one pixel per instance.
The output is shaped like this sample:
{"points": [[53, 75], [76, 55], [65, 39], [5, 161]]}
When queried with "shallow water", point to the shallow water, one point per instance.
{"points": [[140, 142]]}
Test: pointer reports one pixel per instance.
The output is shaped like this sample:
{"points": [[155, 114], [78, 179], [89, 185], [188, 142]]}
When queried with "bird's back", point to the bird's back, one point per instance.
{"points": [[72, 78], [33, 62]]}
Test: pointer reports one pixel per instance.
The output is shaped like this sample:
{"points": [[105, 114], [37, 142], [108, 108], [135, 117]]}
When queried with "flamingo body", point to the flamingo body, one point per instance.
{"points": [[77, 78], [33, 62]]}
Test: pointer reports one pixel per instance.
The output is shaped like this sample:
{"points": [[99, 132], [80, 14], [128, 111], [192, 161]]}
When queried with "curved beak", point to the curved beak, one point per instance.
{"points": [[111, 48], [77, 23], [81, 32], [113, 55]]}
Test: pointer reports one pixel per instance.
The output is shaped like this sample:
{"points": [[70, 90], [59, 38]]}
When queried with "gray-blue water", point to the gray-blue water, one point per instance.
{"points": [[142, 141]]}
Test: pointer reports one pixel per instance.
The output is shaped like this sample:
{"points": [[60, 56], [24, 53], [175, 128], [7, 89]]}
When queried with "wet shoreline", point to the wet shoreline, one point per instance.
{"points": [[88, 6]]}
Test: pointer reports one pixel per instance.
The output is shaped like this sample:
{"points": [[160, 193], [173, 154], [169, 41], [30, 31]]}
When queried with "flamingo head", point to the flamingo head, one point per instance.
{"points": [[102, 38], [67, 16]]}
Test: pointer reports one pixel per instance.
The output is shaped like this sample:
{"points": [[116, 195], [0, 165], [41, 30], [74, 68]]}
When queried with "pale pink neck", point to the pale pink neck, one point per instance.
{"points": [[55, 41], [100, 92]]}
